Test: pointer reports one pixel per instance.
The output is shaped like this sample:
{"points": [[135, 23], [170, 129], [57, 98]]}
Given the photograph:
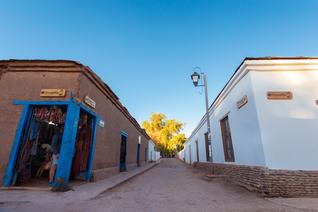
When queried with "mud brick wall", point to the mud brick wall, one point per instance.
{"points": [[108, 139], [23, 80], [268, 182]]}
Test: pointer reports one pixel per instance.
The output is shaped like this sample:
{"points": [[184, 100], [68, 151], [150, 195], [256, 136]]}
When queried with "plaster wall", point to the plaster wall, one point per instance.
{"points": [[288, 127], [243, 123]]}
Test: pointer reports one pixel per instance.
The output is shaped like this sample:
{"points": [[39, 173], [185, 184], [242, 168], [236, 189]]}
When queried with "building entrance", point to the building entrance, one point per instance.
{"points": [[40, 145], [54, 143], [83, 145]]}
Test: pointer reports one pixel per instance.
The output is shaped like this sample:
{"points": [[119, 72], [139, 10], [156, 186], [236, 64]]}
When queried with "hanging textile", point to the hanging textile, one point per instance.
{"points": [[76, 169], [87, 138], [82, 146]]}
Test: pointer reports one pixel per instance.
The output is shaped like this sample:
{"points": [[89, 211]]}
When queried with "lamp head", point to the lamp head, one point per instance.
{"points": [[195, 78]]}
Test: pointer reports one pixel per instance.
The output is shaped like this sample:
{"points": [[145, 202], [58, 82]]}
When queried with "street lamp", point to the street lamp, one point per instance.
{"points": [[195, 78]]}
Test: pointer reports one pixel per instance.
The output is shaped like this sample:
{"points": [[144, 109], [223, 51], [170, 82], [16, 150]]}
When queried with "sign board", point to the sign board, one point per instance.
{"points": [[279, 95], [90, 102], [242, 102], [101, 123], [53, 93]]}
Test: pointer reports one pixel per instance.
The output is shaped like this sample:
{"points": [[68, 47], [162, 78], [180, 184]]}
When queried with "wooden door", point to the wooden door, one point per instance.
{"points": [[197, 148], [190, 154], [207, 150], [123, 153], [227, 140]]}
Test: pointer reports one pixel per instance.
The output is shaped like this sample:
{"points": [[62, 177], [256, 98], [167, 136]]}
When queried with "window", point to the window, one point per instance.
{"points": [[227, 140]]}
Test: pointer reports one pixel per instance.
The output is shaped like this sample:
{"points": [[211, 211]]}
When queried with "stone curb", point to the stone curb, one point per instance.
{"points": [[125, 180]]}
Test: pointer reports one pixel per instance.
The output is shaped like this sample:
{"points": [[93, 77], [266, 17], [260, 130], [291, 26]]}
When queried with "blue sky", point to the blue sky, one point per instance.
{"points": [[145, 50]]}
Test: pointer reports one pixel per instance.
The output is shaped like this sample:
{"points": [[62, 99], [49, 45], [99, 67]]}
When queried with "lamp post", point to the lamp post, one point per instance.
{"points": [[195, 78]]}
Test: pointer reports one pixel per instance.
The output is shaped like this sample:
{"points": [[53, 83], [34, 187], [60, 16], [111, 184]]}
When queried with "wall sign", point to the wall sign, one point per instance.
{"points": [[242, 102], [53, 93], [316, 102], [90, 102], [101, 123], [279, 95]]}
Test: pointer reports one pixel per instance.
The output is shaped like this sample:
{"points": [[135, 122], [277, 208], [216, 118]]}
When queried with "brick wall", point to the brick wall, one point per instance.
{"points": [[268, 182]]}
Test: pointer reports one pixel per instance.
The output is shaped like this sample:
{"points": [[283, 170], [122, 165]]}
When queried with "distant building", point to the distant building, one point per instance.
{"points": [[264, 127], [63, 106], [153, 155]]}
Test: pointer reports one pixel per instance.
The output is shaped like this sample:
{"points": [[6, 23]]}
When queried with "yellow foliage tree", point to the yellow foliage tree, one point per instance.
{"points": [[165, 133]]}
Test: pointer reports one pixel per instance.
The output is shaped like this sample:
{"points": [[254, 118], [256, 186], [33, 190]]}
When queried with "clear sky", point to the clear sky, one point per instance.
{"points": [[145, 50]]}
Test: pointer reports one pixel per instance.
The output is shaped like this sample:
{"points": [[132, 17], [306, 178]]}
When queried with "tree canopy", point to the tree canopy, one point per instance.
{"points": [[165, 133]]}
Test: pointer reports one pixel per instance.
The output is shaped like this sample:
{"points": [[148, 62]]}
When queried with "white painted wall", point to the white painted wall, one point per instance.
{"points": [[289, 128], [181, 155], [153, 155], [243, 124], [279, 134]]}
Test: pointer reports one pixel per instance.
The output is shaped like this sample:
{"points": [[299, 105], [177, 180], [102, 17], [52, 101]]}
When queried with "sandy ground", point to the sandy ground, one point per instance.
{"points": [[172, 186]]}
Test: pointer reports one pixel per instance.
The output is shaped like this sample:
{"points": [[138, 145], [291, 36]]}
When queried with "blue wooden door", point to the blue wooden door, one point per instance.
{"points": [[123, 153], [68, 146]]}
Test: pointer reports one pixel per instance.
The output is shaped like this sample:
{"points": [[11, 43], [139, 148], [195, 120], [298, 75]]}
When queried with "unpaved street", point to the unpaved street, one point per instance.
{"points": [[170, 186]]}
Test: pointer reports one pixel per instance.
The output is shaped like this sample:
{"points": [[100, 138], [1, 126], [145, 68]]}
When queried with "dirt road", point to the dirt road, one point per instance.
{"points": [[170, 186]]}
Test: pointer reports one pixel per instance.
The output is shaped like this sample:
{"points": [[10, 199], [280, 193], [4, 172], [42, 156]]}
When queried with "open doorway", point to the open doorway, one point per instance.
{"points": [[83, 146], [39, 146], [123, 153]]}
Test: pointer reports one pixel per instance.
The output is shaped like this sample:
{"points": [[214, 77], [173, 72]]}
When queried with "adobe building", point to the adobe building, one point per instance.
{"points": [[63, 107], [264, 128]]}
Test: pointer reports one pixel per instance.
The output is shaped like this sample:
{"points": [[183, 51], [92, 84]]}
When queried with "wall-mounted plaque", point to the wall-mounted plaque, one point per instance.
{"points": [[242, 102], [279, 95], [101, 123], [53, 93], [90, 102]]}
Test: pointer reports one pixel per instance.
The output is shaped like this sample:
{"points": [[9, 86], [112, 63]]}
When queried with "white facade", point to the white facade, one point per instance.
{"points": [[278, 134], [153, 155], [180, 155]]}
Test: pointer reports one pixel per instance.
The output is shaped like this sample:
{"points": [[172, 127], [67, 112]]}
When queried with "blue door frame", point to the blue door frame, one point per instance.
{"points": [[62, 174]]}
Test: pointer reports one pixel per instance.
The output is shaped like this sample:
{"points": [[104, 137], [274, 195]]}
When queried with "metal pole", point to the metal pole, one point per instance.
{"points": [[207, 114]]}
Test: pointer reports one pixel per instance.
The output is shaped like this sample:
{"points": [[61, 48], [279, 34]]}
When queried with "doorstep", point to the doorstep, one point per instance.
{"points": [[17, 188], [41, 186]]}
